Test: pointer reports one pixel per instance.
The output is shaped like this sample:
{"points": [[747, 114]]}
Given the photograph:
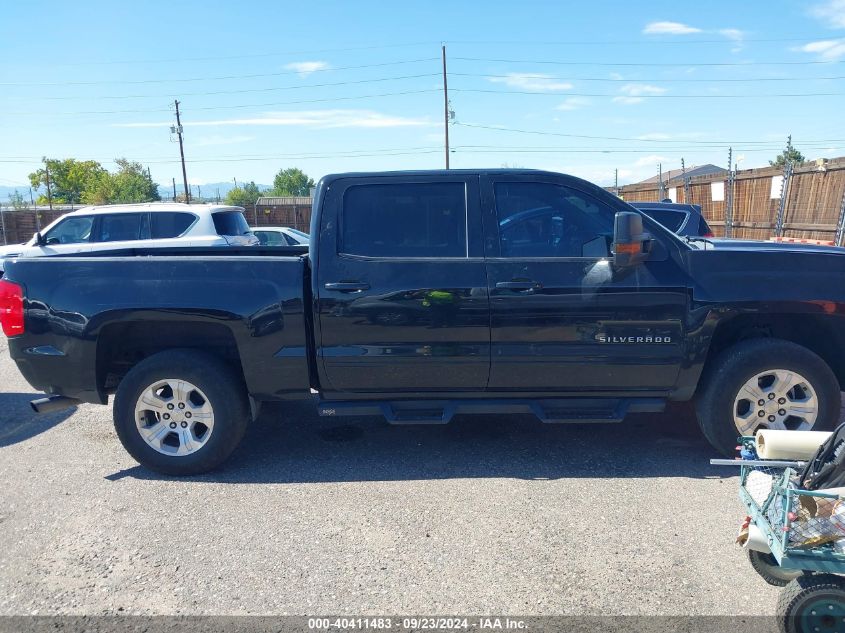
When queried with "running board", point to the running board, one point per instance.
{"points": [[553, 411]]}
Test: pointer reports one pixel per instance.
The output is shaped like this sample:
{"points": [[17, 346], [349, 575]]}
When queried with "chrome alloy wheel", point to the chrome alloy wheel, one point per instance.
{"points": [[174, 417], [775, 399]]}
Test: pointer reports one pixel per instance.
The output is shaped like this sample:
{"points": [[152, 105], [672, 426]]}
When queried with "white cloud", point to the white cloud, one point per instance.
{"points": [[669, 28], [531, 81], [215, 139], [306, 68], [573, 103], [732, 34], [827, 50], [832, 12], [654, 159], [634, 93], [308, 118]]}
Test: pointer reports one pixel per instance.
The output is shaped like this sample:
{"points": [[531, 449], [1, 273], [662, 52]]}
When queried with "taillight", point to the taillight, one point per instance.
{"points": [[11, 308], [708, 234]]}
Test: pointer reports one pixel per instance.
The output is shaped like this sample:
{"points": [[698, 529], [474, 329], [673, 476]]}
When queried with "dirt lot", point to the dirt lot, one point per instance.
{"points": [[489, 514]]}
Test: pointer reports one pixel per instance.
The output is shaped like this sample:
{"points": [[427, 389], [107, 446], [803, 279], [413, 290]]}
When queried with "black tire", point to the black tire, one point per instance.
{"points": [[812, 603], [732, 368], [766, 565], [225, 393]]}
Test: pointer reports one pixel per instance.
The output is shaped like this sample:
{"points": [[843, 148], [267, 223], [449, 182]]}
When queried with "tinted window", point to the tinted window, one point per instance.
{"points": [[672, 220], [230, 223], [271, 238], [121, 227], [545, 220], [405, 220], [167, 224], [70, 231]]}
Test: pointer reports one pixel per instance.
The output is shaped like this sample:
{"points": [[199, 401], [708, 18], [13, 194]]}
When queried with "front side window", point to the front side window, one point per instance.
{"points": [[547, 220], [166, 224], [70, 231], [121, 227], [405, 220], [230, 223]]}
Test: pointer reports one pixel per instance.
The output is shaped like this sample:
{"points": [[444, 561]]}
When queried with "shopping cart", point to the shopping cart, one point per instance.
{"points": [[796, 540]]}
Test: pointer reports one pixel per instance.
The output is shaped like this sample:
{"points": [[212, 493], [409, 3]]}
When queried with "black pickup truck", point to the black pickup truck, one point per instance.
{"points": [[426, 294]]}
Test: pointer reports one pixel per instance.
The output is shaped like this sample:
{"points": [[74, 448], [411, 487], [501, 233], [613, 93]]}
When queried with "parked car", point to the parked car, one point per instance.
{"points": [[280, 236], [683, 219], [151, 224], [504, 291]]}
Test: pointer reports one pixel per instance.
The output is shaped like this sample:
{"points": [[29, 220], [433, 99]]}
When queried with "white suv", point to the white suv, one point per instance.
{"points": [[131, 225]]}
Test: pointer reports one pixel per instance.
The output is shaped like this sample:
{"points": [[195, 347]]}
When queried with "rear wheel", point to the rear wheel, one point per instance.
{"points": [[765, 384], [180, 412], [811, 604]]}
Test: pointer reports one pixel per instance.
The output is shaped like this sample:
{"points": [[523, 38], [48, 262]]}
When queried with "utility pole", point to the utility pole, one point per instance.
{"points": [[616, 181], [199, 193], [660, 180], [218, 195], [49, 191], [174, 189], [178, 131], [445, 105]]}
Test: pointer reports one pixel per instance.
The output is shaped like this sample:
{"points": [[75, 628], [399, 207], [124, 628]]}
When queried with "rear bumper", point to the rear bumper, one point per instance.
{"points": [[55, 371]]}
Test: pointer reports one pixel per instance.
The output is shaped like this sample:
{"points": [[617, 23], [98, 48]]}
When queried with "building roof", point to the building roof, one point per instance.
{"points": [[676, 176]]}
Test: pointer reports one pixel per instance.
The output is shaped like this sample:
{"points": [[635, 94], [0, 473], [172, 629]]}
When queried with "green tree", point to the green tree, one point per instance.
{"points": [[790, 154], [132, 183], [69, 179], [245, 196], [16, 201], [292, 182]]}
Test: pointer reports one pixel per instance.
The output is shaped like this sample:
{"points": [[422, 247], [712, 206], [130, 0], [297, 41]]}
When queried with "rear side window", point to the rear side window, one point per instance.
{"points": [[271, 238], [672, 220], [167, 224], [230, 223], [703, 227], [121, 227], [405, 220]]}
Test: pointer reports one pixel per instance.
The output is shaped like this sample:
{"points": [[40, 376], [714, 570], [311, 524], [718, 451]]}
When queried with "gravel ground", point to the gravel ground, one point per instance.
{"points": [[490, 514]]}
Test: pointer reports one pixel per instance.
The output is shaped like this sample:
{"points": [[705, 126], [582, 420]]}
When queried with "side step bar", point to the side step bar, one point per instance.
{"points": [[553, 411]]}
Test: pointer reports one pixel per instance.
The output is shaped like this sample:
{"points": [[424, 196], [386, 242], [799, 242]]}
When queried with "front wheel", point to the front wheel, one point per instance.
{"points": [[766, 566], [810, 604], [180, 412], [765, 383]]}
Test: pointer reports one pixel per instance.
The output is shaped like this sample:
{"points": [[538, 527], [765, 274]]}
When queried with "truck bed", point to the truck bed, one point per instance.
{"points": [[89, 315]]}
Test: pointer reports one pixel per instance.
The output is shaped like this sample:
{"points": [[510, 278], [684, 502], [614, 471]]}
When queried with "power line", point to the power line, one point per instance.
{"points": [[227, 57], [230, 107], [218, 78], [655, 64], [232, 92], [653, 80], [721, 40], [652, 96], [622, 138]]}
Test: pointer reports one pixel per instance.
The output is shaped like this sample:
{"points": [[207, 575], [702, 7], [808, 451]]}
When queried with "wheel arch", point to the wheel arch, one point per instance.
{"points": [[122, 345], [823, 334]]}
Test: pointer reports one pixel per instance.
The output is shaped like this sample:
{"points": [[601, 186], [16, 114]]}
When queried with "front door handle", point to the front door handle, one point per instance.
{"points": [[347, 286], [518, 285]]}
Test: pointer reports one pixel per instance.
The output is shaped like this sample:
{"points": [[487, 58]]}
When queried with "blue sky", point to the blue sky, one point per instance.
{"points": [[583, 88]]}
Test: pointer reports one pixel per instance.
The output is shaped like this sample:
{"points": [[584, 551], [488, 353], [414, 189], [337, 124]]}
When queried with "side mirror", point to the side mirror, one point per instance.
{"points": [[39, 239], [631, 245]]}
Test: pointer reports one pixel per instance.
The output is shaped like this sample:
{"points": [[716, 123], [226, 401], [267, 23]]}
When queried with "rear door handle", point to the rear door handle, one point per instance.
{"points": [[347, 286], [517, 285]]}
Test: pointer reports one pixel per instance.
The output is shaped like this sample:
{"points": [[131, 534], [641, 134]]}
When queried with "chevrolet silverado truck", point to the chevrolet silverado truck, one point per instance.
{"points": [[427, 294]]}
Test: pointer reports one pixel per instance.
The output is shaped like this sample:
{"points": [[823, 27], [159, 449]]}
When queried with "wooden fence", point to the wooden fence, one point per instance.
{"points": [[807, 202]]}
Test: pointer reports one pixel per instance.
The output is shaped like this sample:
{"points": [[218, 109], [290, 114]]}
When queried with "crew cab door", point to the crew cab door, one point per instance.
{"points": [[562, 319], [401, 287]]}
